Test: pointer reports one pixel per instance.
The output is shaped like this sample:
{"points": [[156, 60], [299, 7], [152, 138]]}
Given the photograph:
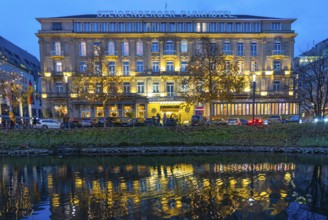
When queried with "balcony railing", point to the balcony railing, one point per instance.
{"points": [[278, 52], [111, 53], [228, 52], [56, 94], [170, 52], [57, 53]]}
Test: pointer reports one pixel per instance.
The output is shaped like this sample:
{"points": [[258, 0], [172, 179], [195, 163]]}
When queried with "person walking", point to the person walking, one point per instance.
{"points": [[34, 122], [158, 119], [164, 119]]}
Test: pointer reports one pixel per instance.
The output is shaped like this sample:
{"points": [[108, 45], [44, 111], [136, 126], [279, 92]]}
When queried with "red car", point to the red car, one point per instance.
{"points": [[257, 121]]}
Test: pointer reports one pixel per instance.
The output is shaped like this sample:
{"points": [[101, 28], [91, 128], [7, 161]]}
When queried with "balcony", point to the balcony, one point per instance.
{"points": [[56, 94], [57, 53], [58, 73], [278, 52], [111, 54], [228, 52], [170, 52]]}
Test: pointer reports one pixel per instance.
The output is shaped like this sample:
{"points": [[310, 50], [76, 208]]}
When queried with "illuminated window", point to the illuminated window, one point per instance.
{"points": [[58, 66], [170, 89], [253, 66], [184, 46], [198, 27], [111, 48], [57, 47], [112, 68], [83, 49], [155, 87], [139, 48], [126, 68], [96, 48]]}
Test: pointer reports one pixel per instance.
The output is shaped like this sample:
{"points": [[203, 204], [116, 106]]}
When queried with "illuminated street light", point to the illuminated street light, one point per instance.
{"points": [[254, 89]]}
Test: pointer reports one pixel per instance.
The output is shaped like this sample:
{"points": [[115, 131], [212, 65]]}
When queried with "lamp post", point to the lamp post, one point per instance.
{"points": [[254, 89], [66, 82]]}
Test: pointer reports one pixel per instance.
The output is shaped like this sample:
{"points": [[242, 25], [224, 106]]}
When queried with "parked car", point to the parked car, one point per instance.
{"points": [[88, 122], [293, 119], [274, 119], [217, 121], [233, 121], [320, 120], [198, 120], [133, 122], [110, 122], [170, 122], [256, 121], [47, 123], [72, 124], [243, 121]]}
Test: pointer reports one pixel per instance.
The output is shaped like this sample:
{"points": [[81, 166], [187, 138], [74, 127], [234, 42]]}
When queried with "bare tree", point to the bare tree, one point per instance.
{"points": [[210, 76], [312, 89], [98, 84]]}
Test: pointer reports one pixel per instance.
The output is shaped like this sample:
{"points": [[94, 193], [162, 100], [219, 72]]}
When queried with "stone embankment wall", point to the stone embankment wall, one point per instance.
{"points": [[167, 150]]}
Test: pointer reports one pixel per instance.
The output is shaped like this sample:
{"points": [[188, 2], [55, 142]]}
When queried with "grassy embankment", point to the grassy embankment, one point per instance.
{"points": [[301, 135]]}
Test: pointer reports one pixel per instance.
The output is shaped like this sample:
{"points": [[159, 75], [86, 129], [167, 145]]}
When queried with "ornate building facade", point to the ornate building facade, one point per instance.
{"points": [[150, 51], [19, 82]]}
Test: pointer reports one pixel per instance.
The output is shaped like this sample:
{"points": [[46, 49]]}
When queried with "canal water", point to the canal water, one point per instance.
{"points": [[225, 186]]}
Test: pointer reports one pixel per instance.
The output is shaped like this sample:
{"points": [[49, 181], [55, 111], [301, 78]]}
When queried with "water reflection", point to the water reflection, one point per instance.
{"points": [[204, 187]]}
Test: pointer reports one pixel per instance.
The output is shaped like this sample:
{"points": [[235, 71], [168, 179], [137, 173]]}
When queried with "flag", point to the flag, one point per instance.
{"points": [[30, 93]]}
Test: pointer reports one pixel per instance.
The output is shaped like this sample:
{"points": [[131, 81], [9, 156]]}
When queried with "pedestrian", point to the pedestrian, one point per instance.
{"points": [[34, 122], [65, 121], [12, 122], [158, 119], [164, 119]]}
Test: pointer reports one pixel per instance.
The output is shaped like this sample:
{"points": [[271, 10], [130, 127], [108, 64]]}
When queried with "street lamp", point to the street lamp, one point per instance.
{"points": [[66, 82], [254, 89]]}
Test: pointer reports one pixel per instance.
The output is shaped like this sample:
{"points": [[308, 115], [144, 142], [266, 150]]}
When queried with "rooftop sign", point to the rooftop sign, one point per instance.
{"points": [[163, 14]]}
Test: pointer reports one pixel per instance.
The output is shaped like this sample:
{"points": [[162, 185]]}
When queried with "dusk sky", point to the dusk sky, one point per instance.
{"points": [[18, 23]]}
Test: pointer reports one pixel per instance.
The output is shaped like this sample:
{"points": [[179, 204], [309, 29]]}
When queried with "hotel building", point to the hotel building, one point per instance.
{"points": [[151, 50]]}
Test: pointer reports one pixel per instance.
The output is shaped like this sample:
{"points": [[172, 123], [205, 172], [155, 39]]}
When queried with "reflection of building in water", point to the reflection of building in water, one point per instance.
{"points": [[134, 191]]}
